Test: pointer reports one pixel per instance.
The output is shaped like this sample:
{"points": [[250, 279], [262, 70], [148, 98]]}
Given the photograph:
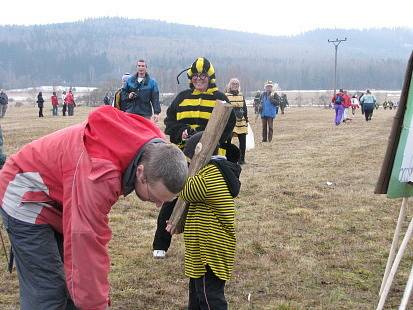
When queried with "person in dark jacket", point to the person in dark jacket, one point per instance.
{"points": [[189, 113], [4, 101], [283, 102], [40, 103], [142, 94], [2, 155]]}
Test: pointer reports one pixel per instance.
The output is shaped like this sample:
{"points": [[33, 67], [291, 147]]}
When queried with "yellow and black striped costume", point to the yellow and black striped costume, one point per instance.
{"points": [[192, 109], [238, 102], [210, 224]]}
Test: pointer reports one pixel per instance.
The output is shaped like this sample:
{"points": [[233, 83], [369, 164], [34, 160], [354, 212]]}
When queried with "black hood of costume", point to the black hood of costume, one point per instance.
{"points": [[231, 172]]}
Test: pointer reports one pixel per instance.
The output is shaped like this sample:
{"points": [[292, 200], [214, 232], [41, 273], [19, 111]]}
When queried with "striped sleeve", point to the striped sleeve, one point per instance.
{"points": [[194, 189]]}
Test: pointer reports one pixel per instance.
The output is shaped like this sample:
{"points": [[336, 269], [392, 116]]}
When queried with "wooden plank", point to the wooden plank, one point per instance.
{"points": [[203, 152]]}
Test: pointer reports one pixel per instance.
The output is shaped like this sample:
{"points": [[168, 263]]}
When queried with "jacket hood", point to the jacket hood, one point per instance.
{"points": [[118, 136], [231, 173]]}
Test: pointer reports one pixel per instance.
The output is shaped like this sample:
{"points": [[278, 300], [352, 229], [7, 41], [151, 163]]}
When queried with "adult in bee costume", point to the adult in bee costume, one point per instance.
{"points": [[188, 114], [236, 98]]}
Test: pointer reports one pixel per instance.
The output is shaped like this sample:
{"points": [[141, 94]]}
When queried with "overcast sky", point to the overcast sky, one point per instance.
{"points": [[274, 17]]}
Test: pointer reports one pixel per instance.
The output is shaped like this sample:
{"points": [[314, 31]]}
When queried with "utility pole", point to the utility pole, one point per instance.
{"points": [[336, 43]]}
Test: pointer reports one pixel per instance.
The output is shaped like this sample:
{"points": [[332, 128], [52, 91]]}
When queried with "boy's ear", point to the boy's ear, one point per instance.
{"points": [[139, 171]]}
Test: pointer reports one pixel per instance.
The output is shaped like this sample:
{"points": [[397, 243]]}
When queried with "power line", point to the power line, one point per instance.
{"points": [[336, 43]]}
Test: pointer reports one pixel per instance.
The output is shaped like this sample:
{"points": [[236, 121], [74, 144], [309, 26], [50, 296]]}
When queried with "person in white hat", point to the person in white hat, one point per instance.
{"points": [[269, 103]]}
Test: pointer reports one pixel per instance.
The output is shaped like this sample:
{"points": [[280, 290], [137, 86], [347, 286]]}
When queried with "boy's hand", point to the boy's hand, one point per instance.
{"points": [[170, 227]]}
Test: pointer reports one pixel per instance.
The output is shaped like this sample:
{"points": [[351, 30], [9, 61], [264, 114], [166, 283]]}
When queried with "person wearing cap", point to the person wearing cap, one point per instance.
{"points": [[141, 93], [237, 100], [269, 103], [4, 101], [189, 113], [209, 231], [55, 207], [118, 103]]}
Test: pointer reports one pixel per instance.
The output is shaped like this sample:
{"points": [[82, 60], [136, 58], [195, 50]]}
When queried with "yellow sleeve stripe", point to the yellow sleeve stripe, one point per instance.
{"points": [[193, 114], [198, 102]]}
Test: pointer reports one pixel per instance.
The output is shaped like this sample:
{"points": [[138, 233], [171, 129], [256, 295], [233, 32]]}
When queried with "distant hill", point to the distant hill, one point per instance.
{"points": [[96, 51]]}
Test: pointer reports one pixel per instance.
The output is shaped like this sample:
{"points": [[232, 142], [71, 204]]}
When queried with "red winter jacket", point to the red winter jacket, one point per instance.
{"points": [[74, 176], [69, 99], [55, 103]]}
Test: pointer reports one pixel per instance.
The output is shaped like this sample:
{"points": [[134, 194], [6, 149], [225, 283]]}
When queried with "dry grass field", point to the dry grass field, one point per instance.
{"points": [[302, 244]]}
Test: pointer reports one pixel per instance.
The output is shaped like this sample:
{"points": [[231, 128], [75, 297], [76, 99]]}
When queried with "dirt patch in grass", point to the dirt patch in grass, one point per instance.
{"points": [[311, 233]]}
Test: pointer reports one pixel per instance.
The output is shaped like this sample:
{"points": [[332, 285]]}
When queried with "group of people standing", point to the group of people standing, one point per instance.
{"points": [[68, 103]]}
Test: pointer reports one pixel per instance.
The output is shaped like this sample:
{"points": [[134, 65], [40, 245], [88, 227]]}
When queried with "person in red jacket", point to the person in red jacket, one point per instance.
{"points": [[56, 194], [55, 103], [70, 102], [346, 106]]}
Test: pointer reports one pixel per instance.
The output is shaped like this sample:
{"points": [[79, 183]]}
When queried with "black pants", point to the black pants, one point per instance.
{"points": [[41, 112], [207, 292], [368, 113], [162, 239], [242, 139], [64, 109]]}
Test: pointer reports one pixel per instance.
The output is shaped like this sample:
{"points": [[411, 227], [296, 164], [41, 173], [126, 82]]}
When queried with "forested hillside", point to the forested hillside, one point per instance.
{"points": [[95, 51]]}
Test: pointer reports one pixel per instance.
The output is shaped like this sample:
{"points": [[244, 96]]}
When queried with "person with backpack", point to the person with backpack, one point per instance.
{"points": [[4, 101], [338, 101], [40, 104], [118, 103]]}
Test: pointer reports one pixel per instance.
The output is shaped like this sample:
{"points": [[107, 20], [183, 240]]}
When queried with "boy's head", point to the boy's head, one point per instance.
{"points": [[232, 151]]}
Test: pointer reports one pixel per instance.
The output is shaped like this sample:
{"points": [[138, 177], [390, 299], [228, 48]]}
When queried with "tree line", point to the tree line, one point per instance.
{"points": [[95, 51]]}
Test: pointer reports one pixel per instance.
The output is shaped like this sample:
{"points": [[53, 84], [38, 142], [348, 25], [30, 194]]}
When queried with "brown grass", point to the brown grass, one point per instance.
{"points": [[302, 244]]}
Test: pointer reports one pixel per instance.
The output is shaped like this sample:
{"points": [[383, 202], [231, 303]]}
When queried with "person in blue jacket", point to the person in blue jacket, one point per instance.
{"points": [[141, 94], [269, 103]]}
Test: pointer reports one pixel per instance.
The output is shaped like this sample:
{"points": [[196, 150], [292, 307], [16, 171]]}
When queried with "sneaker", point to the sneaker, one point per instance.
{"points": [[159, 253]]}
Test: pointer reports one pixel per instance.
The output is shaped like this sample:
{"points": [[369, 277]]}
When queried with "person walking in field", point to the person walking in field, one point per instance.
{"points": [[55, 104], [269, 103], [237, 100], [55, 207], [355, 104], [368, 101], [338, 101], [4, 101], [283, 103], [142, 94], [40, 104]]}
